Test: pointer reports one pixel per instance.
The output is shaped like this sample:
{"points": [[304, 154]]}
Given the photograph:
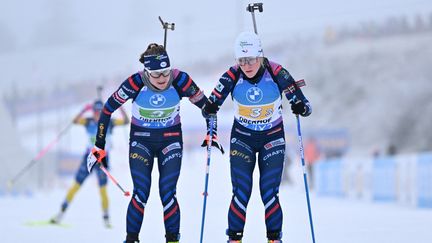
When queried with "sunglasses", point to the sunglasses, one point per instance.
{"points": [[247, 60], [158, 73]]}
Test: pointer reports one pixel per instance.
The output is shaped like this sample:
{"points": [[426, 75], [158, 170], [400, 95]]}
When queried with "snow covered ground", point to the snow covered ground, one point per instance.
{"points": [[335, 220]]}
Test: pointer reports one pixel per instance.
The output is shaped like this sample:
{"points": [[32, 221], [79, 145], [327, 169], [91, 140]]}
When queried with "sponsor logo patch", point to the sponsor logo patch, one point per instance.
{"points": [[140, 146], [128, 90], [274, 143], [254, 95], [170, 147], [242, 144], [172, 156], [142, 134], [138, 157], [157, 100], [267, 156], [219, 87], [122, 94], [237, 153]]}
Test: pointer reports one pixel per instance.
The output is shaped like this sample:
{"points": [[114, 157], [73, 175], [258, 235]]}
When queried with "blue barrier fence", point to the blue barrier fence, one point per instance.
{"points": [[329, 178], [406, 179], [384, 179], [424, 180]]}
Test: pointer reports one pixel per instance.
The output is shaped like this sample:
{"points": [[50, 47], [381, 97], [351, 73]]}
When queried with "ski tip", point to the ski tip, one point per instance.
{"points": [[127, 194]]}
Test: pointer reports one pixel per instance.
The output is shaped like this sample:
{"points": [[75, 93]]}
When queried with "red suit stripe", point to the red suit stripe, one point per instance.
{"points": [[106, 111], [135, 204], [232, 76], [269, 213], [131, 82], [188, 84], [217, 94], [241, 216], [171, 213], [277, 70]]}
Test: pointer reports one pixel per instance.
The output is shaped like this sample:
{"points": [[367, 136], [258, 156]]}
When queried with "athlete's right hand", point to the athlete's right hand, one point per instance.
{"points": [[97, 155], [209, 109], [215, 142]]}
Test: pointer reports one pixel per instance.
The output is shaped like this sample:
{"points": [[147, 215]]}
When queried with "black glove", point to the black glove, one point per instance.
{"points": [[215, 142], [301, 108], [209, 109]]}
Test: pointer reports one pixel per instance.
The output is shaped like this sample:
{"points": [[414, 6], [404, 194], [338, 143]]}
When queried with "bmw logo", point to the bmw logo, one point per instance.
{"points": [[157, 100], [134, 143], [254, 95], [233, 140]]}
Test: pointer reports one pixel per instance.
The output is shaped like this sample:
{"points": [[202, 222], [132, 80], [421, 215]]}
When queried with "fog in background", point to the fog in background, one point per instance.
{"points": [[366, 66], [373, 83]]}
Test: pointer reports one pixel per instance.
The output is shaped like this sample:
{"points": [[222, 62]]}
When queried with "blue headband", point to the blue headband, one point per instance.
{"points": [[156, 62]]}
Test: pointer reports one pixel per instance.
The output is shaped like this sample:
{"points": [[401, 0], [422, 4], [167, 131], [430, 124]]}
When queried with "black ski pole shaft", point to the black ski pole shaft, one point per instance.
{"points": [[251, 8], [166, 26], [38, 156], [254, 22], [165, 38]]}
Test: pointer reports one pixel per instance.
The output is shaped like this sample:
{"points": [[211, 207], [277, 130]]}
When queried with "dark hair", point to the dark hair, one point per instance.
{"points": [[152, 49]]}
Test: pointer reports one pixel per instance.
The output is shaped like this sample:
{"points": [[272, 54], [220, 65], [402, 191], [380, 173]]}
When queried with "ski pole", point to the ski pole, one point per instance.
{"points": [[300, 140], [125, 193], [38, 156], [166, 26], [209, 145], [251, 8]]}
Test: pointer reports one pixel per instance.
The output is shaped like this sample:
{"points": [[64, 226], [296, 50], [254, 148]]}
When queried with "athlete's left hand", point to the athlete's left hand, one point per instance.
{"points": [[301, 108]]}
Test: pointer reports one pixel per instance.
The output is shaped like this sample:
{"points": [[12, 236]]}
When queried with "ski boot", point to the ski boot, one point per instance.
{"points": [[274, 237], [172, 237], [131, 238], [57, 218], [234, 236], [107, 221]]}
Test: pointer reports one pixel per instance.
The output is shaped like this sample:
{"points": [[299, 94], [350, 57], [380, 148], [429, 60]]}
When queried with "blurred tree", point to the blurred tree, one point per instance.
{"points": [[419, 23]]}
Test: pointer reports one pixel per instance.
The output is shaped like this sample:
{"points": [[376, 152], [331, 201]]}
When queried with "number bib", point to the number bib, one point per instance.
{"points": [[153, 109], [257, 106]]}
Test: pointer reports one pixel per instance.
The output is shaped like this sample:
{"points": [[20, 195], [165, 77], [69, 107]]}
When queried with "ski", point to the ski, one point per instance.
{"points": [[46, 223]]}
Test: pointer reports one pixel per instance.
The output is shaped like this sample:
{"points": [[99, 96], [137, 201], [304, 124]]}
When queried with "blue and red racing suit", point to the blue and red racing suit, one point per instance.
{"points": [[155, 132], [257, 132]]}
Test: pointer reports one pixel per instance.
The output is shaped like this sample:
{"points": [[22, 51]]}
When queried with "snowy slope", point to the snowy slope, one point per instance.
{"points": [[336, 220]]}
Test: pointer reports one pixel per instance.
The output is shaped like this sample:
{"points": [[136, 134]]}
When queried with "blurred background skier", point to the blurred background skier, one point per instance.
{"points": [[90, 124]]}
